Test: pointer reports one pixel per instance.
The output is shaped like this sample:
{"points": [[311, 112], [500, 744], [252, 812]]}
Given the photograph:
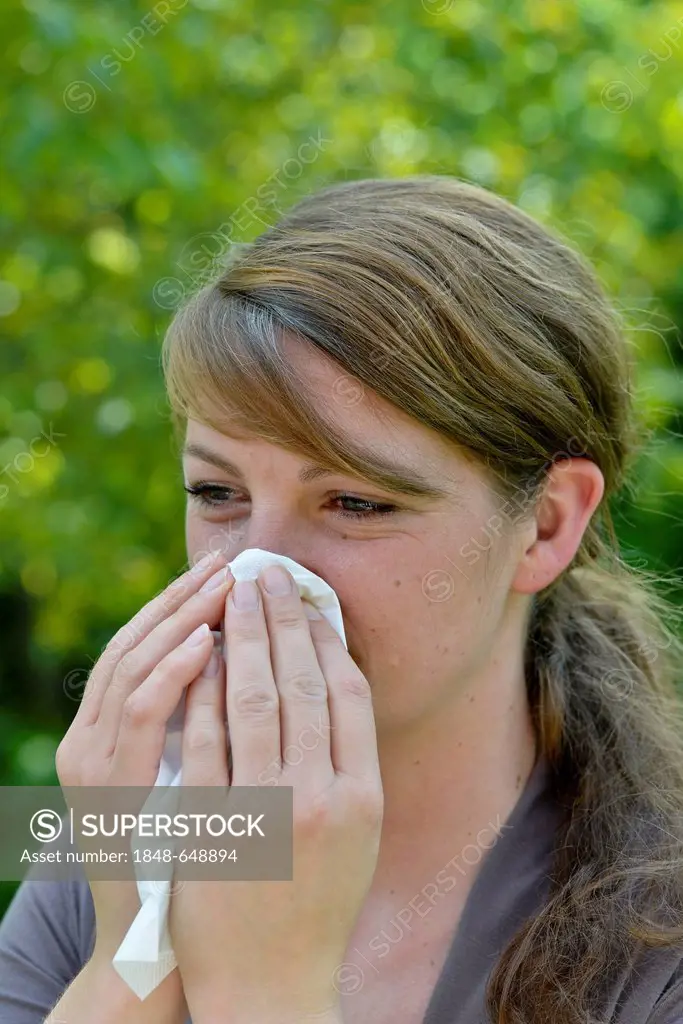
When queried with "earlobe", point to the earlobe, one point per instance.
{"points": [[574, 488]]}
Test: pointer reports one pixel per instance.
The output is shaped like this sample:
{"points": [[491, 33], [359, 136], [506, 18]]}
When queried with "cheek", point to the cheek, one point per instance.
{"points": [[416, 625], [203, 537], [394, 615]]}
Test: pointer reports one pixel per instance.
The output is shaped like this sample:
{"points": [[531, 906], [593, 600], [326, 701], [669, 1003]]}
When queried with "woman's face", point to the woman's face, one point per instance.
{"points": [[425, 591]]}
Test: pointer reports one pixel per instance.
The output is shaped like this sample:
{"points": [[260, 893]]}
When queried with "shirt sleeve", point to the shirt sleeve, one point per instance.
{"points": [[669, 1009], [46, 937]]}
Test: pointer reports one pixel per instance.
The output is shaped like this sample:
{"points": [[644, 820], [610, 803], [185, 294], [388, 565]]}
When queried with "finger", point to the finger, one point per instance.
{"points": [[205, 739], [142, 733], [304, 714], [149, 616], [136, 666], [251, 693], [353, 733]]}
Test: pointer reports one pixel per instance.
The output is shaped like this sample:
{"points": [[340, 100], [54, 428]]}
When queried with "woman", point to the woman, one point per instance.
{"points": [[412, 389]]}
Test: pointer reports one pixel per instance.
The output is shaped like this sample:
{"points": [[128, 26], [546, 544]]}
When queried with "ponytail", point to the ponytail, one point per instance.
{"points": [[601, 665]]}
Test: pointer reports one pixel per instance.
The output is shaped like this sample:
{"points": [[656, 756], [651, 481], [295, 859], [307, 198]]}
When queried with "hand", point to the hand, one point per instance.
{"points": [[267, 950], [118, 733]]}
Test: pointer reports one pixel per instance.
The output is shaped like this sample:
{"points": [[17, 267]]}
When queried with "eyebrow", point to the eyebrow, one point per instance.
{"points": [[379, 470]]}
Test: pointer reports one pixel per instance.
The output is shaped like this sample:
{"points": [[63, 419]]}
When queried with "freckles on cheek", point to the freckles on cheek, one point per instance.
{"points": [[369, 606], [383, 608]]}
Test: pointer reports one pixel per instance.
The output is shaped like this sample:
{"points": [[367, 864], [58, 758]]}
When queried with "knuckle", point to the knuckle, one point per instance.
{"points": [[306, 686], [355, 687], [108, 658], [169, 600], [119, 643], [256, 701], [136, 712], [326, 637], [315, 816], [333, 810], [177, 589], [204, 738], [246, 630], [125, 670], [288, 617]]}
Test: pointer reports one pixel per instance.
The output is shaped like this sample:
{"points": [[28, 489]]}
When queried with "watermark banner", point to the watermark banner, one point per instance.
{"points": [[191, 833]]}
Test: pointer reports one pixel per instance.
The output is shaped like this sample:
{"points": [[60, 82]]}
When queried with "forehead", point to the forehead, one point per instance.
{"points": [[354, 411], [364, 416]]}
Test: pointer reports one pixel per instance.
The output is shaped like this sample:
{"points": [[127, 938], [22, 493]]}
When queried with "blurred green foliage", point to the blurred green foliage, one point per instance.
{"points": [[134, 132]]}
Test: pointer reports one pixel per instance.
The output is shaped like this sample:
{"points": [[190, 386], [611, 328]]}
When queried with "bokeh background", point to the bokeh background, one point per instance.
{"points": [[142, 141]]}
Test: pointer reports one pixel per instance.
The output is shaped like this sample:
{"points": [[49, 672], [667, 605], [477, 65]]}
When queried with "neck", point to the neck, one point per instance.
{"points": [[451, 780]]}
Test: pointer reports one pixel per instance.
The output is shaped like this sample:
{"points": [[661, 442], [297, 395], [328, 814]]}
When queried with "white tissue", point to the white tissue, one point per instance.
{"points": [[145, 957]]}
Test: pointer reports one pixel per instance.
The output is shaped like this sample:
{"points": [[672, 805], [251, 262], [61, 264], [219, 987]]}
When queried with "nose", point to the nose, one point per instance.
{"points": [[279, 535], [289, 536]]}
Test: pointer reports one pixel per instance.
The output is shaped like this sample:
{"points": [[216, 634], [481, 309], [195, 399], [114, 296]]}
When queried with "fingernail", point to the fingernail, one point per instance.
{"points": [[277, 580], [311, 611], [221, 576], [197, 636], [245, 595], [213, 665]]}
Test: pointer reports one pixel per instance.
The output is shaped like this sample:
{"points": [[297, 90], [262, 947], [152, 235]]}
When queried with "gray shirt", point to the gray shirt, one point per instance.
{"points": [[47, 933]]}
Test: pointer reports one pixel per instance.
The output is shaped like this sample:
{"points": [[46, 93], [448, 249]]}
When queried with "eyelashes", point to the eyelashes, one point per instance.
{"points": [[372, 508], [204, 494], [214, 496]]}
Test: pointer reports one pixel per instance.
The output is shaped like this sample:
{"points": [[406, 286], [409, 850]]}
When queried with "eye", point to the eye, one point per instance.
{"points": [[371, 508], [209, 495], [214, 495]]}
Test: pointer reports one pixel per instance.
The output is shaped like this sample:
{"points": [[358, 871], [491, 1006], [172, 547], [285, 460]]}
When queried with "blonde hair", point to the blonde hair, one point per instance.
{"points": [[463, 312]]}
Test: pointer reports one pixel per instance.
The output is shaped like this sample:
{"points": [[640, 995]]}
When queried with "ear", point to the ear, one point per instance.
{"points": [[573, 490]]}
